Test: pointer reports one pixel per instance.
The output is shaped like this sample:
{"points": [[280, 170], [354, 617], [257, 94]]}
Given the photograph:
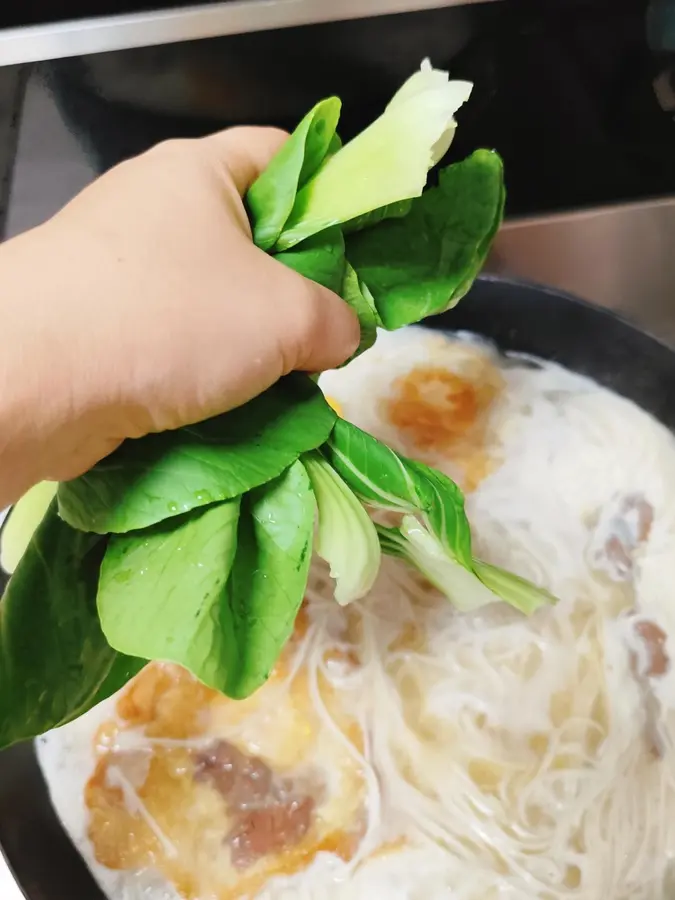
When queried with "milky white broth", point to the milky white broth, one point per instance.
{"points": [[499, 756]]}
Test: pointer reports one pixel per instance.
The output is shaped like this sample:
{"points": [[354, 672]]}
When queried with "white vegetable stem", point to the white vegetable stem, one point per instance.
{"points": [[459, 585], [386, 163], [347, 539], [24, 518]]}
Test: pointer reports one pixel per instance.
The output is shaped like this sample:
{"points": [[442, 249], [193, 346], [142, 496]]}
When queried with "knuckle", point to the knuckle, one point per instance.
{"points": [[171, 147], [310, 313]]}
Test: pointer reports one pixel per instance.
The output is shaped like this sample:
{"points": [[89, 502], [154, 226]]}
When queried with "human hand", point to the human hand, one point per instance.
{"points": [[143, 305]]}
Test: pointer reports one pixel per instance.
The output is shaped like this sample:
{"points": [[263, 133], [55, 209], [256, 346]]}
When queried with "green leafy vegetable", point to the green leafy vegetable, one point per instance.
{"points": [[22, 521], [169, 474], [382, 478], [225, 583], [414, 254], [392, 211], [347, 538], [439, 546], [320, 258], [386, 163], [162, 593], [512, 589], [358, 296], [423, 263], [466, 589], [123, 669], [55, 663], [268, 581], [414, 544], [270, 200]]}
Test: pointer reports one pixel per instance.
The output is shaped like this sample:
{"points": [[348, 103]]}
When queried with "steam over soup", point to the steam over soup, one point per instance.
{"points": [[403, 750]]}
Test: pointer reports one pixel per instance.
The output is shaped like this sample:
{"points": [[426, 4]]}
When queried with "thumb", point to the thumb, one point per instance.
{"points": [[245, 151]]}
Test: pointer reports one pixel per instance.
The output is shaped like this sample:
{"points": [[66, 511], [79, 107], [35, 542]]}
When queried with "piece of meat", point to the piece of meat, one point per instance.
{"points": [[269, 813], [270, 829], [650, 660], [242, 780], [653, 639], [622, 527]]}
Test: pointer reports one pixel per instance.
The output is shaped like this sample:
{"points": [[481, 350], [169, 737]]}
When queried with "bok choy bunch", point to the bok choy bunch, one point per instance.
{"points": [[194, 545]]}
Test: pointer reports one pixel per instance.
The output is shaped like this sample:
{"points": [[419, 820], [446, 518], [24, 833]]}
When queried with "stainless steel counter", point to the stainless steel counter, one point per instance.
{"points": [[621, 257]]}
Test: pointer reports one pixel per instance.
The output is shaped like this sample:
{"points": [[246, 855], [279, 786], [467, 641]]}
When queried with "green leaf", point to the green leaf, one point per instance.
{"points": [[397, 210], [442, 507], [335, 145], [269, 577], [163, 475], [422, 264], [347, 539], [382, 478], [22, 520], [512, 589], [358, 296], [225, 583], [392, 543], [162, 592], [387, 163], [271, 197], [123, 669], [375, 472], [55, 663], [320, 258]]}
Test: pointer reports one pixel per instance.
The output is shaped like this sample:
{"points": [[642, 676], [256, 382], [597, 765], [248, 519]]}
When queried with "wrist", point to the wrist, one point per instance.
{"points": [[41, 396]]}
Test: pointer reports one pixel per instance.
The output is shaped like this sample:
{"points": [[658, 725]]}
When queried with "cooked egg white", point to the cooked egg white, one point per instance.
{"points": [[482, 756]]}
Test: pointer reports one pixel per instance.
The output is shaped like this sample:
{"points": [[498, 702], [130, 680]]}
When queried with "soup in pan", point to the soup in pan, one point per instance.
{"points": [[402, 749]]}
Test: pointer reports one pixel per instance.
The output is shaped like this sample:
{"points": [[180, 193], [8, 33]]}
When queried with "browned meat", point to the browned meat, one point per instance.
{"points": [[242, 780], [654, 640], [623, 529], [270, 830], [653, 663], [270, 813]]}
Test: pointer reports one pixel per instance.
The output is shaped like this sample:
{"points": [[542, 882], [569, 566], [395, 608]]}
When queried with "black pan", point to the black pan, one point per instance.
{"points": [[518, 317]]}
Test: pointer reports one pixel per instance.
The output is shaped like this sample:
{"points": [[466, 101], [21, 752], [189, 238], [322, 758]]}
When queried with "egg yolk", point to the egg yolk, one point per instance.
{"points": [[334, 405], [441, 413]]}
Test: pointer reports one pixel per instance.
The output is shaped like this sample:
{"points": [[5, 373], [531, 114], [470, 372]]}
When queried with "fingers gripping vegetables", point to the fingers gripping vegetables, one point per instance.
{"points": [[194, 545]]}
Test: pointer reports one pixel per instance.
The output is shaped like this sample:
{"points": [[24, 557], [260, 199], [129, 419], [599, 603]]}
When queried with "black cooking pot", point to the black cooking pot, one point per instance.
{"points": [[517, 317]]}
